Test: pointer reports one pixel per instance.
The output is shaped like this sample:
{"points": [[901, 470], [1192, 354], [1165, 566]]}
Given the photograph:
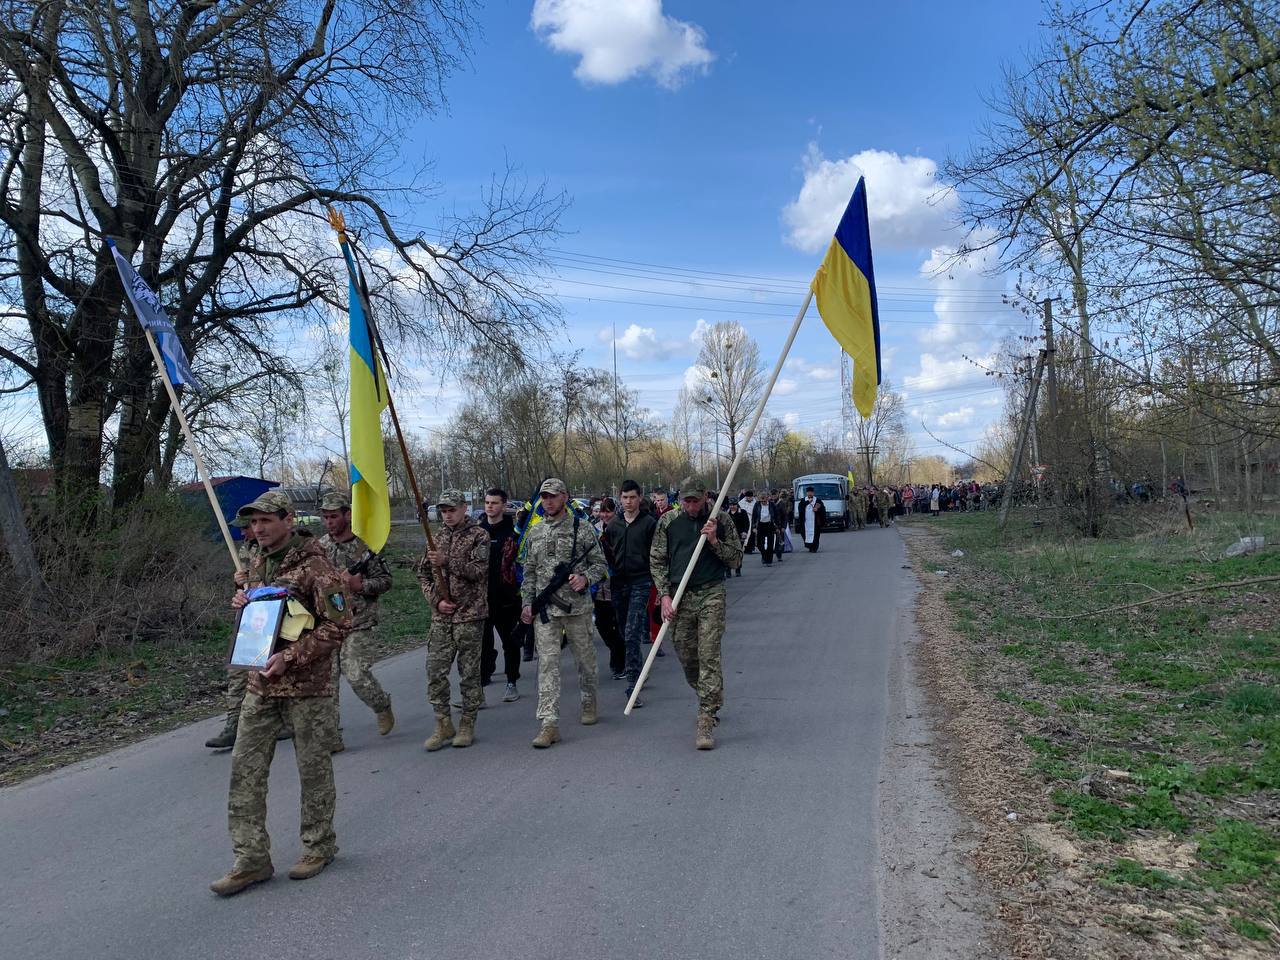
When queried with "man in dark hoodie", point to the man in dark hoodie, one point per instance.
{"points": [[629, 538]]}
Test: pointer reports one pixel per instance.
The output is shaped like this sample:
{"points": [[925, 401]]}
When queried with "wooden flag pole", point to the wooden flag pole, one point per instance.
{"points": [[724, 489], [201, 469]]}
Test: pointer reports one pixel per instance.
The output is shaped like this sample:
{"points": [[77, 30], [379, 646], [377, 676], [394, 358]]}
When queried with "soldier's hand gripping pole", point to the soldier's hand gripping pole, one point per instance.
{"points": [[724, 489]]}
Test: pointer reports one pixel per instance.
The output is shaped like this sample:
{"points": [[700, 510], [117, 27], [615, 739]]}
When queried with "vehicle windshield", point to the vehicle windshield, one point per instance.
{"points": [[824, 491]]}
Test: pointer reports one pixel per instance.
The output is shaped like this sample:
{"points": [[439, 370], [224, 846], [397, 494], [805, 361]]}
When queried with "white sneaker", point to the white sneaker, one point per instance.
{"points": [[511, 695]]}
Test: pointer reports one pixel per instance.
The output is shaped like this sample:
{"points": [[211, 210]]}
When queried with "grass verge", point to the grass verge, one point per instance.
{"points": [[69, 709], [1154, 732]]}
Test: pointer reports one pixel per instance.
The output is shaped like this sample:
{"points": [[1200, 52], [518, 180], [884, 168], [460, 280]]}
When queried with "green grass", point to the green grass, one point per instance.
{"points": [[1183, 694]]}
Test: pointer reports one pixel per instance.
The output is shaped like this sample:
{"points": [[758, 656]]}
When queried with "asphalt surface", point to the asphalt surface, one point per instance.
{"points": [[621, 841]]}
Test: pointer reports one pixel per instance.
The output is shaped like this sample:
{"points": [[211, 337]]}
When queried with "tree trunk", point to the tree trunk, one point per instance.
{"points": [[17, 539]]}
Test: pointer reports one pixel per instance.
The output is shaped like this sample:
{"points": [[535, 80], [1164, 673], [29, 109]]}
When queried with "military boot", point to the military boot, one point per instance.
{"points": [[703, 739], [238, 879], [308, 867], [226, 739], [386, 720], [589, 712], [466, 734], [549, 734], [442, 734]]}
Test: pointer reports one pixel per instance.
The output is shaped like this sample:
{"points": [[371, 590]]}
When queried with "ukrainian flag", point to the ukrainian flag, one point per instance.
{"points": [[845, 286], [370, 498]]}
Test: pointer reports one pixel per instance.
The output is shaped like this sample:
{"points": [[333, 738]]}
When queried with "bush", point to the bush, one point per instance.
{"points": [[152, 578]]}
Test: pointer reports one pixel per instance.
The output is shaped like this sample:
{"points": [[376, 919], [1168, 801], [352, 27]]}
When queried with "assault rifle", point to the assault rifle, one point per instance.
{"points": [[361, 566]]}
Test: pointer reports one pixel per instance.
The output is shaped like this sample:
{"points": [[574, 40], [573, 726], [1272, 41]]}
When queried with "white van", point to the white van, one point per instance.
{"points": [[832, 489]]}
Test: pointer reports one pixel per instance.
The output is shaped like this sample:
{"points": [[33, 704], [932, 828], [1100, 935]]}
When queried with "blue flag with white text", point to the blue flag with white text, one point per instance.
{"points": [[152, 316]]}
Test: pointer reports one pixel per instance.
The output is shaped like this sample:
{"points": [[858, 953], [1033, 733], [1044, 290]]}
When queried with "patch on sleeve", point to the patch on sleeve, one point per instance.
{"points": [[338, 602]]}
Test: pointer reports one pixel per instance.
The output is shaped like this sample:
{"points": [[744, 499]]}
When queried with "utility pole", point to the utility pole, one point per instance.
{"points": [[1028, 415], [867, 453]]}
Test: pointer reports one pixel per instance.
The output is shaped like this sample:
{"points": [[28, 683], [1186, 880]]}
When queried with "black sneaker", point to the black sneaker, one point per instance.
{"points": [[639, 702], [620, 675]]}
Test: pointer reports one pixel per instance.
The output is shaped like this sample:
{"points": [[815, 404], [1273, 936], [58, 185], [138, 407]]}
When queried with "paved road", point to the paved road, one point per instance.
{"points": [[622, 841]]}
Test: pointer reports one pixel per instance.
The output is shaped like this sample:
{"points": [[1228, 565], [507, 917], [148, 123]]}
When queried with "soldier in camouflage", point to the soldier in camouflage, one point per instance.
{"points": [[455, 580], [884, 506], [697, 625], [295, 686], [860, 505], [366, 577], [562, 538]]}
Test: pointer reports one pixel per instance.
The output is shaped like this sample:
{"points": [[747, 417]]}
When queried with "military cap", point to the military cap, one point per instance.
{"points": [[553, 485], [268, 502], [239, 521], [693, 486], [335, 500], [451, 498]]}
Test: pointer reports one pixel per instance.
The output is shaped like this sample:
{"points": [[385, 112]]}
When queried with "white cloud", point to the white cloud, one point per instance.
{"points": [[791, 418], [941, 374], [813, 371], [784, 386], [616, 40], [968, 294], [695, 379], [960, 417], [907, 207], [636, 342]]}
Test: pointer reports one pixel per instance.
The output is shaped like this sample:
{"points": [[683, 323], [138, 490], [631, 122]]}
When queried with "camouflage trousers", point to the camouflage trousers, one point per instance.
{"points": [[696, 633], [447, 642], [577, 630], [352, 661], [260, 721], [237, 685]]}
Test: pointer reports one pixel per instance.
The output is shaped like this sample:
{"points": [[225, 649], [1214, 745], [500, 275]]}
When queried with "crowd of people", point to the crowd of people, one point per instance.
{"points": [[881, 504], [532, 585]]}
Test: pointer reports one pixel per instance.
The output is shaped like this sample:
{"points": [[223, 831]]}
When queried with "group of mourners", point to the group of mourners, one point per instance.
{"points": [[533, 584]]}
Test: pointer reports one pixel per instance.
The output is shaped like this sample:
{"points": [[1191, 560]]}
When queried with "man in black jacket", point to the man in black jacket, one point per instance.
{"points": [[629, 538], [504, 594], [763, 519]]}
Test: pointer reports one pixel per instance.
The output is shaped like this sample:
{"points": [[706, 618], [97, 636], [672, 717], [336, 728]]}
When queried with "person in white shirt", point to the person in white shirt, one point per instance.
{"points": [[748, 505]]}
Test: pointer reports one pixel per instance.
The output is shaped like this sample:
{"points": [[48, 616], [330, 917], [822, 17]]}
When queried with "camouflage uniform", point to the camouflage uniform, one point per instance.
{"points": [[457, 635], [353, 660], [299, 696], [860, 505], [699, 622], [550, 543], [884, 506]]}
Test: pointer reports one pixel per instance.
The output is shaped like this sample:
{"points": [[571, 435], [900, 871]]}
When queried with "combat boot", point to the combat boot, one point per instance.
{"points": [[549, 734], [703, 739], [237, 880], [466, 734], [308, 867], [442, 734], [589, 713], [226, 739], [386, 720]]}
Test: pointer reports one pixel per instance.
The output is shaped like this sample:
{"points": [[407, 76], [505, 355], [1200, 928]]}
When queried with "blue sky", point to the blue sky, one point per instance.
{"points": [[724, 138]]}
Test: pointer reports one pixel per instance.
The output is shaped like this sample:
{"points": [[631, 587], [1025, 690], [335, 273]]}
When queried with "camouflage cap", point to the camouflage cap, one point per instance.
{"points": [[553, 485], [239, 521], [693, 486], [269, 501], [335, 500], [451, 498]]}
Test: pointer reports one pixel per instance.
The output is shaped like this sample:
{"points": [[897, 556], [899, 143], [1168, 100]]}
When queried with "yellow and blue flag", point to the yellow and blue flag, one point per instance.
{"points": [[845, 287], [370, 498]]}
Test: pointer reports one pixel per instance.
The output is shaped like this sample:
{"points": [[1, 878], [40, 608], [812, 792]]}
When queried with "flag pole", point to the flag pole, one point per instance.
{"points": [[724, 489], [201, 469], [339, 224]]}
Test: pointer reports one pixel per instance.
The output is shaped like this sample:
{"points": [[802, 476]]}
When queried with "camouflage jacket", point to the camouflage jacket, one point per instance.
{"points": [[466, 573], [553, 542], [377, 578], [672, 548], [302, 566]]}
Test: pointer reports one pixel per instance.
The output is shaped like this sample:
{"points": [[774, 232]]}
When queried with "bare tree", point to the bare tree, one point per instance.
{"points": [[204, 139], [733, 378], [883, 428]]}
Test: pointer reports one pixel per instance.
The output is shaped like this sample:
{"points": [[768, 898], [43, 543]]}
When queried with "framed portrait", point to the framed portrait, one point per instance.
{"points": [[257, 634]]}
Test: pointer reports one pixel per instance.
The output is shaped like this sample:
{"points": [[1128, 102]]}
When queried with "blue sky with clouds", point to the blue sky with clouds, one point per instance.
{"points": [[709, 149]]}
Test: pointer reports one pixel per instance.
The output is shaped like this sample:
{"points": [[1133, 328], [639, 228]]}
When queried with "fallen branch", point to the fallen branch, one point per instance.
{"points": [[1164, 596]]}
